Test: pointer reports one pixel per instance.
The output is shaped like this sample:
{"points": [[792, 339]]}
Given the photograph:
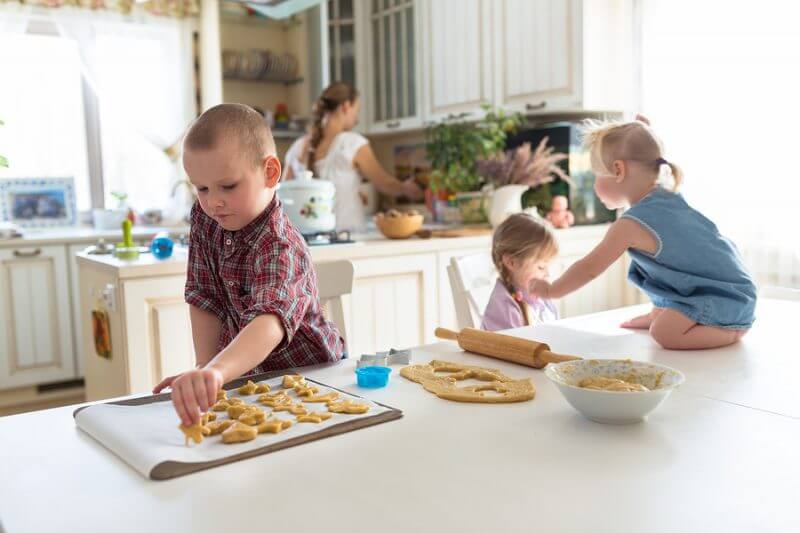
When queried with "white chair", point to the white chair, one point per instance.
{"points": [[334, 280], [780, 293], [472, 279]]}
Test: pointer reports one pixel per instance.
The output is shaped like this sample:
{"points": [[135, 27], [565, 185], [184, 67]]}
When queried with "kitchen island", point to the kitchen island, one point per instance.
{"points": [[401, 293], [719, 455]]}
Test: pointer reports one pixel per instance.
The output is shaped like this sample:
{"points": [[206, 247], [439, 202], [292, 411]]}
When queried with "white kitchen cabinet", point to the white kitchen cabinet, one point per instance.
{"points": [[75, 303], [151, 336], [392, 65], [538, 54], [457, 63], [36, 342], [393, 304]]}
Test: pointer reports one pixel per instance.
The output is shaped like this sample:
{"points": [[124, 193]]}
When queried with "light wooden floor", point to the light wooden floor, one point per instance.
{"points": [[27, 399]]}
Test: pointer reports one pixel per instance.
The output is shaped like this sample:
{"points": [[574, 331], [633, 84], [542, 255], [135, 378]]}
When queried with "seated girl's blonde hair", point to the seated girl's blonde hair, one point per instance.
{"points": [[610, 141], [522, 237]]}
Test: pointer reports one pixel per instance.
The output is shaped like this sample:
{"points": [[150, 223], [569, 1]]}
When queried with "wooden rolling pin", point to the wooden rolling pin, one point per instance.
{"points": [[505, 347]]}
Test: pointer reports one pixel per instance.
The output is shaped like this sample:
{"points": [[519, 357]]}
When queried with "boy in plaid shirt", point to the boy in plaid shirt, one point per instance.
{"points": [[250, 285]]}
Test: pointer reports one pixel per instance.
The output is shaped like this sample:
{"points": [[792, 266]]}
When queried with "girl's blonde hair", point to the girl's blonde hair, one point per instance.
{"points": [[522, 237], [609, 141]]}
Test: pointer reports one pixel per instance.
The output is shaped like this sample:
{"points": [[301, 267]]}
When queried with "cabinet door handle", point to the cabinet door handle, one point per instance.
{"points": [[33, 253], [393, 125], [533, 107]]}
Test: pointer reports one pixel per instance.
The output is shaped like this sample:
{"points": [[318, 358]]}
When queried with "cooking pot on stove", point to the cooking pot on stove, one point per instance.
{"points": [[308, 203]]}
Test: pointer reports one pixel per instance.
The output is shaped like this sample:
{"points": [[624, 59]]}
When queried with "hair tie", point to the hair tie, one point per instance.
{"points": [[661, 161]]}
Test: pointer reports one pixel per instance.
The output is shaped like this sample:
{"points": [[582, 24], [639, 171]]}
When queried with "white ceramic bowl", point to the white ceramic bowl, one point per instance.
{"points": [[609, 407]]}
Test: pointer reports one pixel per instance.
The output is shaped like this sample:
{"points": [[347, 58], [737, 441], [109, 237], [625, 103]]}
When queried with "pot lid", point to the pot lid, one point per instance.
{"points": [[306, 181]]}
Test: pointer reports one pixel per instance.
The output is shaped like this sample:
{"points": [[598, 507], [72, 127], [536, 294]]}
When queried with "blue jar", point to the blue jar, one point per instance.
{"points": [[162, 246]]}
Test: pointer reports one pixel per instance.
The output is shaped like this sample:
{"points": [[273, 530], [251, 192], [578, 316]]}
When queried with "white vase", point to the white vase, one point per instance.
{"points": [[506, 201]]}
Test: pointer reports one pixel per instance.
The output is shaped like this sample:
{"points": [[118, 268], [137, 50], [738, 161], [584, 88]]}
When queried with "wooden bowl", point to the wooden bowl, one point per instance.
{"points": [[402, 226]]}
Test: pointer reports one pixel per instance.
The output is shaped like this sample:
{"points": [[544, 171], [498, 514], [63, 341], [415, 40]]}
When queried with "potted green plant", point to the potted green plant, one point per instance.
{"points": [[454, 147]]}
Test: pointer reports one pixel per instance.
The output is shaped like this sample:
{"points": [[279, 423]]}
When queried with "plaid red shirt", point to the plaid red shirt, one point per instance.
{"points": [[264, 268]]}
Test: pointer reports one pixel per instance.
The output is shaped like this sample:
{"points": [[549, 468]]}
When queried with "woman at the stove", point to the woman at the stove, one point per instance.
{"points": [[332, 151]]}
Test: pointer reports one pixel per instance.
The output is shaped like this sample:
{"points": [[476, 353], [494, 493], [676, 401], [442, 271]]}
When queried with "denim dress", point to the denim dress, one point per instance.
{"points": [[695, 270]]}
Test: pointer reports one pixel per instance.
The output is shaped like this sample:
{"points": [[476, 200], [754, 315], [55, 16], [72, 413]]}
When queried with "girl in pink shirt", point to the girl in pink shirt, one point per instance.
{"points": [[522, 249]]}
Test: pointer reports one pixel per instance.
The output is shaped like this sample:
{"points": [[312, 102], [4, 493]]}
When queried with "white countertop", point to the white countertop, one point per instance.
{"points": [[87, 234], [719, 455], [366, 245]]}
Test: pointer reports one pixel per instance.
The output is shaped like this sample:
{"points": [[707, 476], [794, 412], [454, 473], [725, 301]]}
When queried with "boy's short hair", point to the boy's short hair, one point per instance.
{"points": [[233, 122]]}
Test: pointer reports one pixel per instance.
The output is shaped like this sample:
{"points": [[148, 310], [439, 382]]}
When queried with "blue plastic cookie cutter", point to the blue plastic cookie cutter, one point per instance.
{"points": [[373, 377]]}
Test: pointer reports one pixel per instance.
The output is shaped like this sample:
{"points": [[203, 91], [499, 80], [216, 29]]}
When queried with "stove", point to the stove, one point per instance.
{"points": [[328, 237]]}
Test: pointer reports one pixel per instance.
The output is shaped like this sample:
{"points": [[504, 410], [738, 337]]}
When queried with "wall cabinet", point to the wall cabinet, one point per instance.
{"points": [[420, 60], [537, 51]]}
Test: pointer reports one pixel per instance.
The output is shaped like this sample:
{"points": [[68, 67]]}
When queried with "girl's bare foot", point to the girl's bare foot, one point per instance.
{"points": [[641, 321]]}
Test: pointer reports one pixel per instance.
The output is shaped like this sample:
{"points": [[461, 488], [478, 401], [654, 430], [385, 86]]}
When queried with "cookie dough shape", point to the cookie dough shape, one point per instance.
{"points": [[273, 425], [205, 418], [324, 398], [247, 389], [303, 389], [253, 417], [239, 432], [218, 426], [314, 418], [431, 377], [221, 405], [290, 380], [222, 394], [236, 411], [275, 399], [348, 407], [194, 432], [261, 388], [295, 409]]}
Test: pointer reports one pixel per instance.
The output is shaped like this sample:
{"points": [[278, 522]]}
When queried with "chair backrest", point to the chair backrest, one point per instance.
{"points": [[472, 279], [334, 280], [780, 293]]}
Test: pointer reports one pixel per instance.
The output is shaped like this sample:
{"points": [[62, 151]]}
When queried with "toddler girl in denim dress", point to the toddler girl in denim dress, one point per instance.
{"points": [[703, 297], [522, 249]]}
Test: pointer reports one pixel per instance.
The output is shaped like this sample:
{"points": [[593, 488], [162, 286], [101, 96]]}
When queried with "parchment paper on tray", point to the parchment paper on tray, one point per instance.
{"points": [[144, 433]]}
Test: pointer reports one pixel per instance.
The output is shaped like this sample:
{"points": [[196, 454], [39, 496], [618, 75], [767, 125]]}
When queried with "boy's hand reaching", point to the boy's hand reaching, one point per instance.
{"points": [[193, 392]]}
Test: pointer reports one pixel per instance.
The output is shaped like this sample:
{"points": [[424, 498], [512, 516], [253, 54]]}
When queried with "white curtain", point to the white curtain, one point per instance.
{"points": [[720, 82], [41, 102], [139, 68]]}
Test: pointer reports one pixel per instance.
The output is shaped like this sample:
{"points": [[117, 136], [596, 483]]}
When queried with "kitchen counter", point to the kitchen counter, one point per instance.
{"points": [[367, 245], [719, 455], [87, 234]]}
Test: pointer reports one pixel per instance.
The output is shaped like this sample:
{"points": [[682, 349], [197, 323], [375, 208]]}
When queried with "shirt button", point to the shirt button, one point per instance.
{"points": [[230, 284], [228, 242]]}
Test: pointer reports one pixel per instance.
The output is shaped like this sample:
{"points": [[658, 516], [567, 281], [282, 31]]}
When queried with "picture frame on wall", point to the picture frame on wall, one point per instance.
{"points": [[38, 202]]}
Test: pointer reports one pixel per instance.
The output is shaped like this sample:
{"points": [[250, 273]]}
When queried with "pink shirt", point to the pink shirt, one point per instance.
{"points": [[503, 312]]}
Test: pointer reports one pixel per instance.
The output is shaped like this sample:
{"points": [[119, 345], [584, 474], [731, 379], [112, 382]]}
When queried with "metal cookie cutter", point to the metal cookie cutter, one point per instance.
{"points": [[392, 357]]}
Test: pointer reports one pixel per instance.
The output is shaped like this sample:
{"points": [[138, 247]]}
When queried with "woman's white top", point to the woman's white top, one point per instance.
{"points": [[337, 166]]}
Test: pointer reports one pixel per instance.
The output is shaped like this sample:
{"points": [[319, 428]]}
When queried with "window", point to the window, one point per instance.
{"points": [[41, 103], [720, 81], [137, 75]]}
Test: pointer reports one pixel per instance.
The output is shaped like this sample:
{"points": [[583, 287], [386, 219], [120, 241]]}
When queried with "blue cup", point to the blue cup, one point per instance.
{"points": [[373, 377]]}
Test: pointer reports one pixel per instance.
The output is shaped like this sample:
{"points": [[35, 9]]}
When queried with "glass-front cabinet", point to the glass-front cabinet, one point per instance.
{"points": [[393, 65]]}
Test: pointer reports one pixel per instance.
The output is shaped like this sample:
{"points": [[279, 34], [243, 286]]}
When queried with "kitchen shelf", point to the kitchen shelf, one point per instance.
{"points": [[287, 134], [267, 79]]}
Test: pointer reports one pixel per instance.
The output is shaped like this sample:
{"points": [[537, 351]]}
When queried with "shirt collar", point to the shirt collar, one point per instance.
{"points": [[255, 229]]}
